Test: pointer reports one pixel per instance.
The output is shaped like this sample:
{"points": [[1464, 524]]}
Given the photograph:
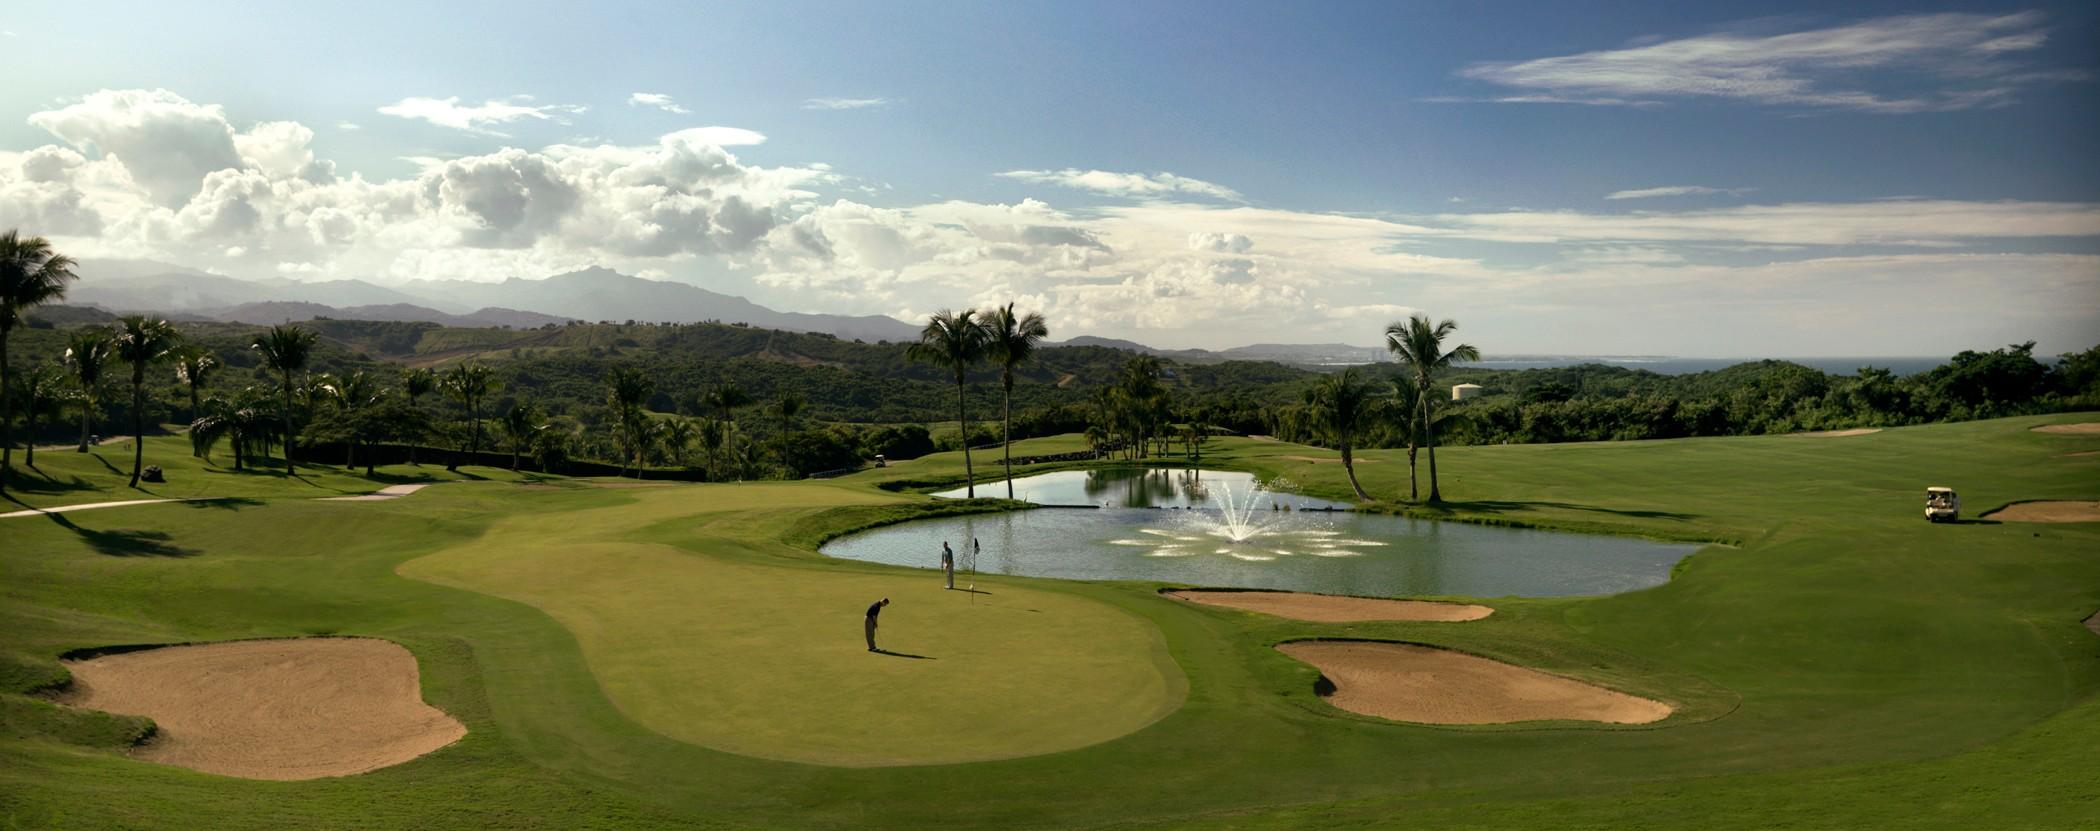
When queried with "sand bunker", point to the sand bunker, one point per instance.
{"points": [[1406, 682], [1837, 434], [1328, 608], [1329, 460], [381, 495], [2083, 428], [2054, 511], [299, 708]]}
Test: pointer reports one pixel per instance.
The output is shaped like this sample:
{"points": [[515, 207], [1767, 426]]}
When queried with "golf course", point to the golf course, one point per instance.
{"points": [[627, 653]]}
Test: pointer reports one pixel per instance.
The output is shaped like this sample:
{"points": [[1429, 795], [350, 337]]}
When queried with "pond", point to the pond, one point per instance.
{"points": [[1219, 528]]}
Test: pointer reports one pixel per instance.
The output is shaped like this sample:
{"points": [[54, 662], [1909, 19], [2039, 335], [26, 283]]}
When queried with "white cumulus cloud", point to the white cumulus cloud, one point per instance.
{"points": [[656, 99], [1136, 185], [479, 118]]}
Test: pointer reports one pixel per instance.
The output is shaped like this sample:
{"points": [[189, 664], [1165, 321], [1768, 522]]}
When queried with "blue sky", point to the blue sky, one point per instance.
{"points": [[1898, 179]]}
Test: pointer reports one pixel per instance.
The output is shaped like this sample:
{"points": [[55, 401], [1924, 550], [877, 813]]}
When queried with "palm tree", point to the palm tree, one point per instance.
{"points": [[521, 425], [711, 435], [677, 436], [285, 349], [31, 274], [43, 390], [246, 420], [87, 352], [1011, 343], [1096, 437], [1420, 347], [416, 384], [787, 406], [955, 340], [627, 389], [469, 383], [351, 394], [194, 366], [725, 399], [1342, 407], [1141, 400], [1407, 405], [142, 341]]}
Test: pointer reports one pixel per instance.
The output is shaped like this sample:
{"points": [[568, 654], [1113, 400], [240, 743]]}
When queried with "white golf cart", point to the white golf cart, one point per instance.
{"points": [[1942, 505]]}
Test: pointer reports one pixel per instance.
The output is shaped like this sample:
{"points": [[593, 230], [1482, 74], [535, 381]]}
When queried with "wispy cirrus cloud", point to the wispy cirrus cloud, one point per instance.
{"points": [[1928, 223], [1674, 190], [1134, 185], [479, 118], [846, 103], [658, 100], [1892, 65]]}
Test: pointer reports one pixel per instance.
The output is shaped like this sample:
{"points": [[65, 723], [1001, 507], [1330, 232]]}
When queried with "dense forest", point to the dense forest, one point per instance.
{"points": [[735, 400]]}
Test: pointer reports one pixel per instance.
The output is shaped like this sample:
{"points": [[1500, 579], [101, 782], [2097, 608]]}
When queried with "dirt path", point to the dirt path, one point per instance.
{"points": [[1328, 460], [1329, 608], [2083, 428], [1406, 682], [300, 708], [2051, 511], [1837, 434]]}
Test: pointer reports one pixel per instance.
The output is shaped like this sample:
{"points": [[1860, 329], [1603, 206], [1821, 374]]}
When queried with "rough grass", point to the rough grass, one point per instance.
{"points": [[1848, 665]]}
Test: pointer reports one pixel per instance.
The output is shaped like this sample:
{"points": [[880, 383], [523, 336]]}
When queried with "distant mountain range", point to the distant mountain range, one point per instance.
{"points": [[592, 294], [1302, 354]]}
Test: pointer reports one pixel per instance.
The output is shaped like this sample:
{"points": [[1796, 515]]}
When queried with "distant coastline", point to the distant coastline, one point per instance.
{"points": [[1666, 365]]}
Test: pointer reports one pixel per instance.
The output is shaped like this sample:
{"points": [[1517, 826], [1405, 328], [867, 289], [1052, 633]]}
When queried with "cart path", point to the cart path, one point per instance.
{"points": [[383, 494]]}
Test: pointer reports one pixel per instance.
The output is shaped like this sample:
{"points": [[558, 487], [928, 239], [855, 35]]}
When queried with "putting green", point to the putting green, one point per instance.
{"points": [[765, 661]]}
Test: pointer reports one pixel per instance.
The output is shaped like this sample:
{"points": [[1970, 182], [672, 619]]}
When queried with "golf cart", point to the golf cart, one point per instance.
{"points": [[1942, 505]]}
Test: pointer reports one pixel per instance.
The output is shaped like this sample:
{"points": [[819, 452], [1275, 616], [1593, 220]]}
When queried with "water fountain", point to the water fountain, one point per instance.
{"points": [[1248, 532]]}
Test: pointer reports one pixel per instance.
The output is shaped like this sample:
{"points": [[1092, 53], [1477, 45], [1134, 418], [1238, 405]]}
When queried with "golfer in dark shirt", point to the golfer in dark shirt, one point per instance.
{"points": [[948, 563], [873, 611]]}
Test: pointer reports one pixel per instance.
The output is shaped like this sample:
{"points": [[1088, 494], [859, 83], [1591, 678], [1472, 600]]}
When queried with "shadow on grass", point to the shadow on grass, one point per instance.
{"points": [[223, 503], [45, 483], [1502, 506], [905, 655], [125, 542], [277, 472]]}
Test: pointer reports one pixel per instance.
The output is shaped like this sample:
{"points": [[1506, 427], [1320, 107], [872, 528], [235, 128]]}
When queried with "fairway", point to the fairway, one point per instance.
{"points": [[676, 656], [760, 661]]}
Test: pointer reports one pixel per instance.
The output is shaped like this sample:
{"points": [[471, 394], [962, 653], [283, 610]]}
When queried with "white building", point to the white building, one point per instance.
{"points": [[1464, 391]]}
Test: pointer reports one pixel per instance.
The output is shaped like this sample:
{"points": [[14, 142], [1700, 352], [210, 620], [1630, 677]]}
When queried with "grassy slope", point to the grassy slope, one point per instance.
{"points": [[63, 477], [1848, 666]]}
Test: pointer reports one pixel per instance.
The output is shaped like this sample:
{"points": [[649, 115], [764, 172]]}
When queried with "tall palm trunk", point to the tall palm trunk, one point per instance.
{"points": [[288, 423], [194, 449], [87, 419], [7, 420], [1429, 442], [138, 424], [1349, 465], [962, 416], [1414, 439], [29, 442], [1006, 435]]}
